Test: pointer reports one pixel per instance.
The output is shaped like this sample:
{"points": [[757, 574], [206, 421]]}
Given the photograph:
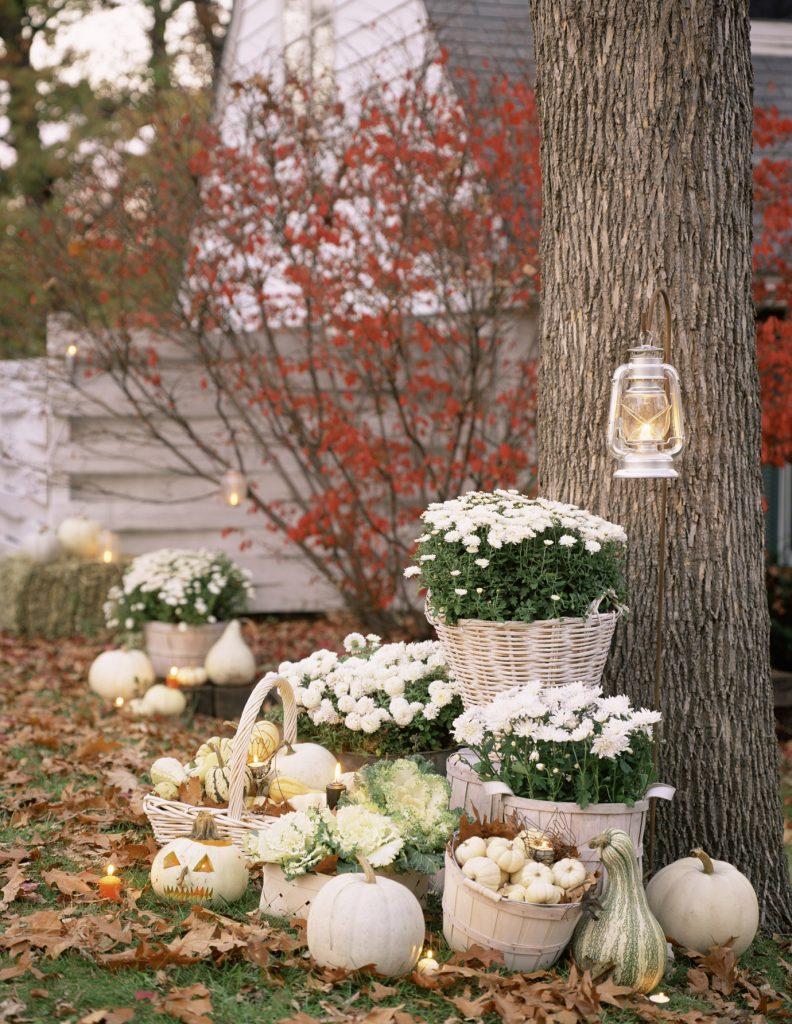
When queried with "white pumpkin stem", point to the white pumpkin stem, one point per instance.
{"points": [[706, 860], [368, 870]]}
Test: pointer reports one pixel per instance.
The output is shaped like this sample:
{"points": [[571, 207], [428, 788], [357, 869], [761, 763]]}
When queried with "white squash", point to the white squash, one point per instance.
{"points": [[360, 919], [483, 871], [532, 871], [309, 763], [513, 892], [167, 790], [40, 546], [168, 769], [508, 858], [214, 744], [700, 902], [163, 700], [540, 891], [569, 873], [230, 661], [474, 846], [120, 673], [305, 801], [200, 868], [497, 842], [79, 536]]}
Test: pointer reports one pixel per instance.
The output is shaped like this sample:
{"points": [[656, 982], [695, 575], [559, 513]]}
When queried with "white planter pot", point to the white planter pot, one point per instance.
{"points": [[531, 936], [168, 644], [495, 802], [283, 898]]}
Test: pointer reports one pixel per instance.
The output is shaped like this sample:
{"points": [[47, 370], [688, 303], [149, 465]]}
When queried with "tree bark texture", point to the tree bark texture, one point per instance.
{"points": [[646, 116]]}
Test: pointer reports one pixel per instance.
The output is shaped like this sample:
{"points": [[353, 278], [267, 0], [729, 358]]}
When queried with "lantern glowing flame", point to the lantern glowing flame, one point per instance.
{"points": [[234, 488], [645, 424]]}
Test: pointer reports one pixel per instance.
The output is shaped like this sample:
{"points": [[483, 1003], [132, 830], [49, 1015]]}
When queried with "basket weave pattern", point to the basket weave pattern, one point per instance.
{"points": [[488, 657], [172, 818]]}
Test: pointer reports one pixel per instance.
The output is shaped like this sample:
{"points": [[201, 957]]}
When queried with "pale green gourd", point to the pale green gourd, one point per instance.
{"points": [[625, 935]]}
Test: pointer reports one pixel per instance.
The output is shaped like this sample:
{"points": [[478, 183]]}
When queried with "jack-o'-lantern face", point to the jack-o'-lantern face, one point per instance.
{"points": [[192, 870]]}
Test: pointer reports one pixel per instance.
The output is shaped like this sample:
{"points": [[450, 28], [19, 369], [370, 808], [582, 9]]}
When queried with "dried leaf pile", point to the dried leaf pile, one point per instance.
{"points": [[71, 779]]}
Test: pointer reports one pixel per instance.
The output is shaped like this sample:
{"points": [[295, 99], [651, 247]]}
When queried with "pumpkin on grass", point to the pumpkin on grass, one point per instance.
{"points": [[701, 902], [356, 920], [200, 868], [625, 935]]}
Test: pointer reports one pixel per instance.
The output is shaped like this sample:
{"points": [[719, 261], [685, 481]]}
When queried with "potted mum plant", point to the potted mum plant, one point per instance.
{"points": [[559, 754], [396, 815], [377, 700], [520, 588], [181, 600]]}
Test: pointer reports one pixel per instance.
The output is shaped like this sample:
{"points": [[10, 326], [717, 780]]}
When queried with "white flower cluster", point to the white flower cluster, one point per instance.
{"points": [[176, 578], [508, 517], [366, 689], [558, 714]]}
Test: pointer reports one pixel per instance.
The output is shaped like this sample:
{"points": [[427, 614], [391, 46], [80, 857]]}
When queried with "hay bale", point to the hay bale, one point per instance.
{"points": [[57, 599]]}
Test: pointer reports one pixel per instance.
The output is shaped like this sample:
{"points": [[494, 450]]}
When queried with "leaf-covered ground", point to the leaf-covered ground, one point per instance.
{"points": [[71, 780]]}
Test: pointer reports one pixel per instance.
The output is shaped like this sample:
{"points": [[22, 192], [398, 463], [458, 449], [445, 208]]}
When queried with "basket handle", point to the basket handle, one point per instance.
{"points": [[250, 712], [594, 607]]}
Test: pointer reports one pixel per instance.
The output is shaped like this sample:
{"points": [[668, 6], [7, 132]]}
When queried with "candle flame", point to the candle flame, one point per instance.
{"points": [[233, 498], [71, 350], [429, 954], [107, 556], [173, 671], [338, 771], [119, 702], [111, 869]]}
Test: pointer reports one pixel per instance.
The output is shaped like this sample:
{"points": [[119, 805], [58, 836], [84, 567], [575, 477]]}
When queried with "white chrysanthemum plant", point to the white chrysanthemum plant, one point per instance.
{"points": [[562, 744], [178, 586], [504, 557], [376, 698], [375, 820]]}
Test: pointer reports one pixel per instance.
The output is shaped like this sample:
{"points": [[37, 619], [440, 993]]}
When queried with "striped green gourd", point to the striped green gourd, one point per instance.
{"points": [[624, 935]]}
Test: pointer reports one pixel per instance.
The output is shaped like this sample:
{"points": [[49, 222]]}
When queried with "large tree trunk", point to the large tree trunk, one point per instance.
{"points": [[646, 119]]}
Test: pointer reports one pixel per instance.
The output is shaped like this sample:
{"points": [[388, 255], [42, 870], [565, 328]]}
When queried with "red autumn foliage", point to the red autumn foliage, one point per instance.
{"points": [[350, 288]]}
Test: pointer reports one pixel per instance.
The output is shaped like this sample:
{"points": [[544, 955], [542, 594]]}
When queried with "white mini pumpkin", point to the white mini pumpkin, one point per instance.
{"points": [[309, 763], [79, 536], [168, 769], [513, 892], [539, 891], [40, 545], [120, 673], [497, 842], [700, 902], [474, 846], [360, 919], [166, 790], [508, 858], [483, 871], [531, 871], [200, 868], [230, 661], [163, 700], [569, 873]]}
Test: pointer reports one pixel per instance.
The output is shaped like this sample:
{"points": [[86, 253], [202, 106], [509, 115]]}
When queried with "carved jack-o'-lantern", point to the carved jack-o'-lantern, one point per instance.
{"points": [[200, 868]]}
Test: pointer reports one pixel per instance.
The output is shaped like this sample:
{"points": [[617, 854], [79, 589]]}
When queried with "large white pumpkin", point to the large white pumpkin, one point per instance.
{"points": [[309, 763], [79, 536], [120, 673], [40, 546], [701, 902], [360, 919], [200, 868], [230, 661]]}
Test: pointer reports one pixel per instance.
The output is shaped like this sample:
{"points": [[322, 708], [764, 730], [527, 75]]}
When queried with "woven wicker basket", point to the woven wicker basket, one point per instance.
{"points": [[488, 657], [172, 818], [530, 936]]}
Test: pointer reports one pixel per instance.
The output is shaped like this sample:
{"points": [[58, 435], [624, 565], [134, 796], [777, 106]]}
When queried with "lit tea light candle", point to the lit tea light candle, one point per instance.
{"points": [[71, 360], [110, 885], [335, 788], [427, 964], [541, 849], [109, 547], [173, 678], [119, 702], [659, 997]]}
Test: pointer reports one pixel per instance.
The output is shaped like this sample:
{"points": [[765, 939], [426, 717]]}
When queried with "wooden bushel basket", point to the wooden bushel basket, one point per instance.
{"points": [[282, 897], [531, 936], [487, 657], [172, 818]]}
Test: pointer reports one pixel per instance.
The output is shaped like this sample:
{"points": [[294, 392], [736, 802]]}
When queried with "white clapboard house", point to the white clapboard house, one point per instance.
{"points": [[60, 454]]}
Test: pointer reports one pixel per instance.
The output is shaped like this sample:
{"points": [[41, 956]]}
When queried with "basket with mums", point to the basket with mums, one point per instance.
{"points": [[513, 888], [393, 813]]}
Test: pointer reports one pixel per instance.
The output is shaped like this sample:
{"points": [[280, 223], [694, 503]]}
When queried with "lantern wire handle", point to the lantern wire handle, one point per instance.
{"points": [[647, 320]]}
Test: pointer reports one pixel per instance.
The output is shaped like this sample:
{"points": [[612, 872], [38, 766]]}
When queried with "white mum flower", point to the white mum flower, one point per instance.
{"points": [[567, 540], [593, 546], [483, 562], [460, 591], [412, 570]]}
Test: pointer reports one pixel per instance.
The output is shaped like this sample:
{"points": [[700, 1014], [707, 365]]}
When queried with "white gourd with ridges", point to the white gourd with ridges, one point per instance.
{"points": [[531, 871], [79, 536], [508, 858], [309, 763], [701, 902], [475, 846], [483, 871], [230, 661], [539, 891], [625, 934], [121, 673], [569, 873]]}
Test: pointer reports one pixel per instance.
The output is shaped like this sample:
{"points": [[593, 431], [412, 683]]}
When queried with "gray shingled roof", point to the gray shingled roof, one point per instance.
{"points": [[773, 88], [485, 37]]}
